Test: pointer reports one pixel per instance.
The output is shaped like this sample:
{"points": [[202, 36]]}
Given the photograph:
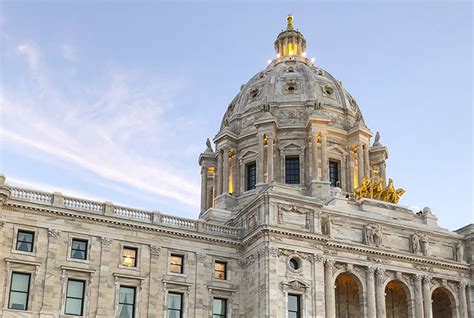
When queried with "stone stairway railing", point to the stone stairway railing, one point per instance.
{"points": [[107, 208]]}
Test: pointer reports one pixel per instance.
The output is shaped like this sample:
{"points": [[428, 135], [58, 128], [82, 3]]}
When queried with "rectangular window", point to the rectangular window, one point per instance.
{"points": [[126, 302], [175, 305], [334, 174], [251, 176], [129, 256], [294, 306], [220, 270], [75, 297], [176, 264], [219, 308], [292, 170], [79, 249], [24, 241], [19, 291]]}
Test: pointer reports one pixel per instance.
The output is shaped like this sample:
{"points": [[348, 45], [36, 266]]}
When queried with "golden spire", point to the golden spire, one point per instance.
{"points": [[290, 22]]}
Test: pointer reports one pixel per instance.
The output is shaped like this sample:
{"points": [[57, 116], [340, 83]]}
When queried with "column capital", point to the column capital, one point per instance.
{"points": [[462, 285], [418, 277], [427, 278], [370, 270], [380, 272], [329, 263]]}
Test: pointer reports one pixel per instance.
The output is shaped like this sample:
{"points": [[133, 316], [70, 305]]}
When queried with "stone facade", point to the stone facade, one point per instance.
{"points": [[311, 239]]}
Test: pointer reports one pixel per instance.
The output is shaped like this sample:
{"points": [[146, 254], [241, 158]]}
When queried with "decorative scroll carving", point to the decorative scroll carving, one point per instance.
{"points": [[267, 248], [295, 285], [201, 256], [155, 250], [53, 233], [373, 235], [106, 241]]}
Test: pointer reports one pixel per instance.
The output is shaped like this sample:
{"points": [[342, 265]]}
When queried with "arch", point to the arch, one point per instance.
{"points": [[397, 300], [349, 296], [443, 303]]}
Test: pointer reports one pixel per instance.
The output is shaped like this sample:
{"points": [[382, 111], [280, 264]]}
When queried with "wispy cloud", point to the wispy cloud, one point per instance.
{"points": [[108, 132], [32, 55]]}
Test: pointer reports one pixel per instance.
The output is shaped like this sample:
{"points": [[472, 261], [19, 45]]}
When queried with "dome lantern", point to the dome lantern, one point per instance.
{"points": [[290, 42]]}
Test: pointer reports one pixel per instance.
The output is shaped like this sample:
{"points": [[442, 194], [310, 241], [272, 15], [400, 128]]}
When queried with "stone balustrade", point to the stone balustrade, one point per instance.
{"points": [[107, 208]]}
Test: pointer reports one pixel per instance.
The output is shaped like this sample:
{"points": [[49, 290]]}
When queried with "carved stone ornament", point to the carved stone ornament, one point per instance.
{"points": [[373, 235], [53, 233], [201, 256], [267, 248], [370, 270], [459, 252], [415, 243], [155, 250], [326, 225], [106, 241], [296, 285]]}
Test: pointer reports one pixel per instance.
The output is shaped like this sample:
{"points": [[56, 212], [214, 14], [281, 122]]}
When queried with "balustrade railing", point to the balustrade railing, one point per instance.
{"points": [[57, 199]]}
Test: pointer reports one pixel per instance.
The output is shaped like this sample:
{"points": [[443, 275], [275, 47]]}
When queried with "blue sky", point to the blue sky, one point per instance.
{"points": [[114, 100]]}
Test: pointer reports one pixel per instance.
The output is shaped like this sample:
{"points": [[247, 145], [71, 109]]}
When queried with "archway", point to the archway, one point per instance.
{"points": [[442, 303], [396, 300], [348, 297]]}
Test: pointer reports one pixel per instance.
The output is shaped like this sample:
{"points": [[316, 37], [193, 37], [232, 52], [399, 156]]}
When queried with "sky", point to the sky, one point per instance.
{"points": [[113, 100]]}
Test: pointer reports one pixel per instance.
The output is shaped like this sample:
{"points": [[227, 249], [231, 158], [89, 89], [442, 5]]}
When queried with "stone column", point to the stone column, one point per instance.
{"points": [[350, 172], [360, 163], [462, 300], [154, 281], [314, 161], [427, 296], [270, 159], [203, 189], [366, 160], [371, 305], [418, 295], [225, 172], [380, 293], [329, 289], [219, 173], [383, 174], [260, 158], [324, 157]]}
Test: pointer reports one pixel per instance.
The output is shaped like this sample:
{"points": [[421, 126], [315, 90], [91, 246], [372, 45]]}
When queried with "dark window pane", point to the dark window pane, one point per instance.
{"points": [[334, 174], [79, 249], [251, 176], [19, 291], [126, 302], [292, 170], [74, 297], [294, 306], [175, 305], [219, 308], [24, 241]]}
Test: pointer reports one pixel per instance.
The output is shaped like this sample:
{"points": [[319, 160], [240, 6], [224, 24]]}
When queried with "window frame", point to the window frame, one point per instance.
{"points": [[216, 262], [170, 265], [296, 158], [83, 299], [298, 305], [225, 301], [181, 310], [248, 185], [122, 258], [338, 174], [72, 249], [33, 237], [19, 291], [134, 305]]}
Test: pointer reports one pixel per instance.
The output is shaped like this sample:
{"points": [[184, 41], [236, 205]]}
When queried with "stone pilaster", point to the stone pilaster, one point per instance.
{"points": [[462, 300], [219, 173], [360, 163], [319, 283], [225, 171], [366, 160], [314, 161], [260, 157], [154, 281], [427, 296], [380, 292], [418, 295], [204, 191], [324, 157], [270, 159], [106, 285], [370, 294], [329, 291], [52, 294]]}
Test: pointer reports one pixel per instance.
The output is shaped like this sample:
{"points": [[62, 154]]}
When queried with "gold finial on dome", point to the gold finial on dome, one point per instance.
{"points": [[290, 22]]}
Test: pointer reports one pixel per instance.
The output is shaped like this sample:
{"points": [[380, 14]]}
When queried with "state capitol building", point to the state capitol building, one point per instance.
{"points": [[298, 219]]}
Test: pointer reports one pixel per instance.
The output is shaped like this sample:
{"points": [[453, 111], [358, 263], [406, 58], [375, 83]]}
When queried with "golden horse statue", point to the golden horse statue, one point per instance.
{"points": [[373, 189]]}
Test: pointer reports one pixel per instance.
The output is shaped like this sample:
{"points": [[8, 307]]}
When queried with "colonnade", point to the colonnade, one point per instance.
{"points": [[374, 294]]}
